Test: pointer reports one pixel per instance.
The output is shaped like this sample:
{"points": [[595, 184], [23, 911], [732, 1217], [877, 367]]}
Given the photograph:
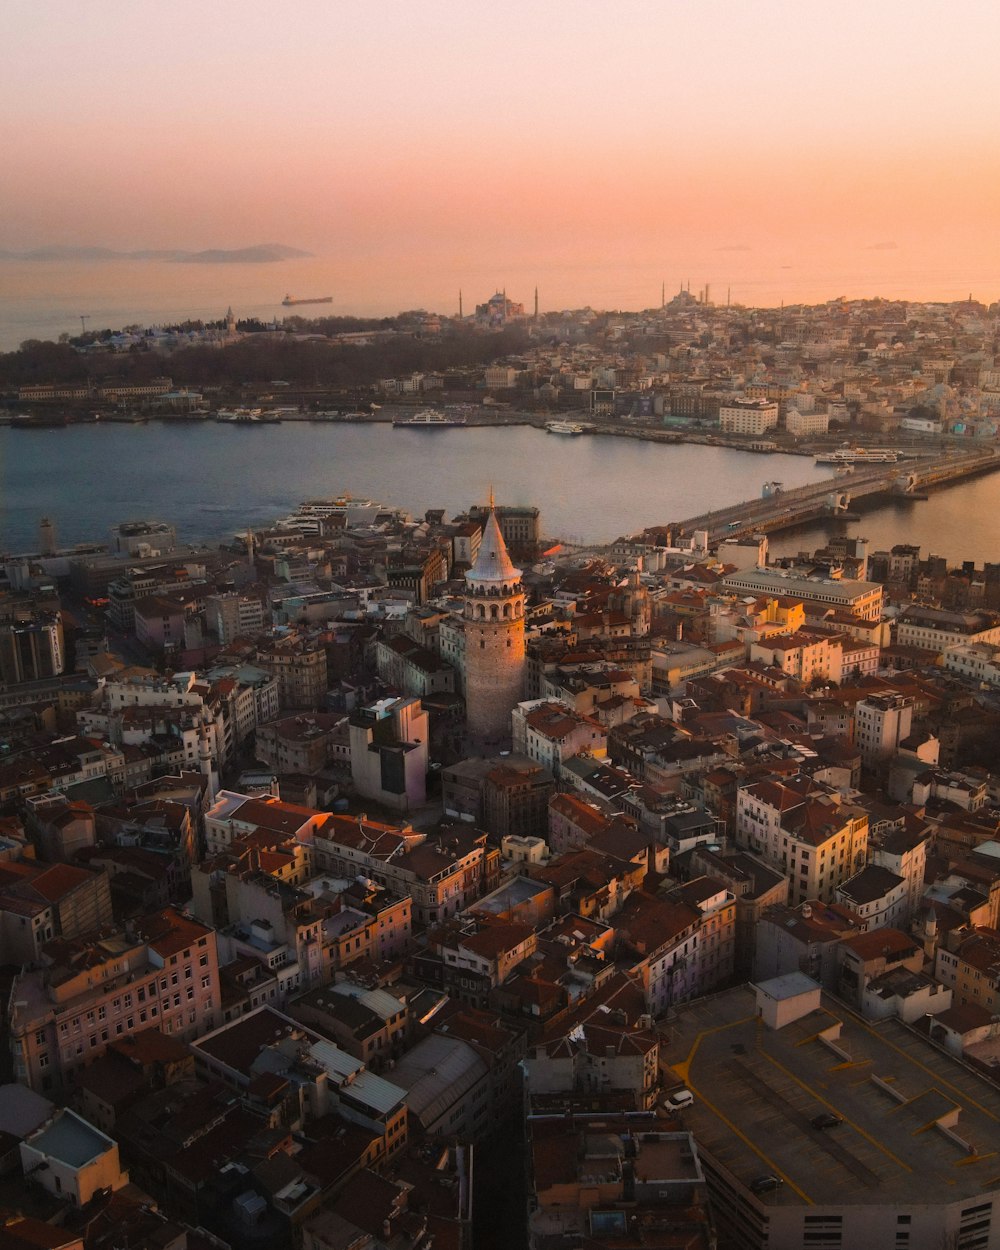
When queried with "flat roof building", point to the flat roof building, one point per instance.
{"points": [[861, 599], [908, 1161]]}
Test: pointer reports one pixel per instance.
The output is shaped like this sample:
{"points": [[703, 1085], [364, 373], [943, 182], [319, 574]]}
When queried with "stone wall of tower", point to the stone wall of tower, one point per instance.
{"points": [[495, 672]]}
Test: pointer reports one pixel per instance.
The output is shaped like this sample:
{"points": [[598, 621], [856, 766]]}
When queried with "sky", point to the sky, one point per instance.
{"points": [[577, 136]]}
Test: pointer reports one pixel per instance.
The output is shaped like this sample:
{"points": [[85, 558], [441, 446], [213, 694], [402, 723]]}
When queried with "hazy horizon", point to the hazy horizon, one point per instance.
{"points": [[567, 140]]}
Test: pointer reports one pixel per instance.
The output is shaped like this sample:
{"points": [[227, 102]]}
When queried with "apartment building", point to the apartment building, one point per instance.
{"points": [[550, 732], [881, 722], [805, 830], [162, 971], [300, 668], [232, 615], [442, 874]]}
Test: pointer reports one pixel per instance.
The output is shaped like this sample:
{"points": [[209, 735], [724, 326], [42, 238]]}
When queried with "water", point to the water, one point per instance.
{"points": [[960, 522], [43, 299], [213, 480]]}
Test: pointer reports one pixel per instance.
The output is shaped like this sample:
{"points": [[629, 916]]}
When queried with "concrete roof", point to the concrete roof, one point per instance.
{"points": [[69, 1139], [791, 985], [756, 1090]]}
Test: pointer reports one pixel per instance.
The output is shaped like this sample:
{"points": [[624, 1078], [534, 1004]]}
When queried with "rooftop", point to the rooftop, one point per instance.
{"points": [[757, 1089], [69, 1139]]}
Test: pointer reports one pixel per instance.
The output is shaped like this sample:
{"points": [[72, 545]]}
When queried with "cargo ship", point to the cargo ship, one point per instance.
{"points": [[288, 302]]}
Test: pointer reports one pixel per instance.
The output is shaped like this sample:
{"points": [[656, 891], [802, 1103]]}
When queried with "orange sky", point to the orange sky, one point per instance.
{"points": [[577, 134]]}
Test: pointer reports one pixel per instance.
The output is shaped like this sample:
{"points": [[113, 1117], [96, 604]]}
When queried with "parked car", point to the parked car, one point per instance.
{"points": [[826, 1120], [678, 1100], [763, 1184]]}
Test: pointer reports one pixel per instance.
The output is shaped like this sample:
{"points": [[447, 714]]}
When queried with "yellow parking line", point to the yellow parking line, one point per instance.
{"points": [[936, 1077], [836, 1110], [683, 1068], [747, 1142]]}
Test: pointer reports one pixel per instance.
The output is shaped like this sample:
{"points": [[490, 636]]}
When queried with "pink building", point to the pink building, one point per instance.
{"points": [[161, 972]]}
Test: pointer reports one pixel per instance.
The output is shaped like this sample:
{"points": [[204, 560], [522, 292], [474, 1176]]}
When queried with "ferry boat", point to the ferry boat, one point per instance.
{"points": [[563, 427], [430, 419], [247, 416], [288, 302], [858, 455], [356, 513]]}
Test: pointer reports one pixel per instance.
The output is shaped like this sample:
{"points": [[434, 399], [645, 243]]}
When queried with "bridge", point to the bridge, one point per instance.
{"points": [[834, 497]]}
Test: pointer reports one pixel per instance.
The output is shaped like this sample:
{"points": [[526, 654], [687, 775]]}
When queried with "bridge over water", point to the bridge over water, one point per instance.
{"points": [[834, 497]]}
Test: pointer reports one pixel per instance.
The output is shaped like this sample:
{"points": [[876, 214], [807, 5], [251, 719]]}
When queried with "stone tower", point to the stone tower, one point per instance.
{"points": [[495, 663]]}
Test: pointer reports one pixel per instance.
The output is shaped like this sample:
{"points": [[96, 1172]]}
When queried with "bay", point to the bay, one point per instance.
{"points": [[212, 480]]}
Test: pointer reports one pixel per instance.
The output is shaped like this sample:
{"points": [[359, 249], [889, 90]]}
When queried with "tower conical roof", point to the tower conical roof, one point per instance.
{"points": [[493, 563]]}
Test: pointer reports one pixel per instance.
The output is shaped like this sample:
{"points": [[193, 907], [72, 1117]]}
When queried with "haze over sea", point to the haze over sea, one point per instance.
{"points": [[212, 480], [43, 299]]}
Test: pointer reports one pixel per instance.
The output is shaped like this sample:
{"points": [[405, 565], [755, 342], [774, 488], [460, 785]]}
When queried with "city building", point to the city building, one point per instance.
{"points": [[881, 723], [389, 753], [748, 416], [162, 971], [805, 830], [767, 1064]]}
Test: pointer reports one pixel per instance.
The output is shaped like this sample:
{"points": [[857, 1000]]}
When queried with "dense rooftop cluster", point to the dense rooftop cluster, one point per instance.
{"points": [[703, 917]]}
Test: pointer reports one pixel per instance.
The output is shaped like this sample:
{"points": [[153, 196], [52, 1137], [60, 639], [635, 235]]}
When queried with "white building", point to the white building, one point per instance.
{"points": [[979, 661], [389, 753], [881, 722], [748, 416], [878, 895]]}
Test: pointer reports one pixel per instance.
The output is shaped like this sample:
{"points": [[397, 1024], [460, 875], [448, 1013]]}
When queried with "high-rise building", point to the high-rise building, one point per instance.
{"points": [[495, 663], [31, 647]]}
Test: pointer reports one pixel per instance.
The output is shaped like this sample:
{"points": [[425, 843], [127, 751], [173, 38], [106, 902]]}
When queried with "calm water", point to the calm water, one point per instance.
{"points": [[43, 299], [212, 480]]}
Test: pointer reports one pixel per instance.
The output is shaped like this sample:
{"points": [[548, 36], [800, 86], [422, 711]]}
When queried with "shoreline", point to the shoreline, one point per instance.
{"points": [[593, 426]]}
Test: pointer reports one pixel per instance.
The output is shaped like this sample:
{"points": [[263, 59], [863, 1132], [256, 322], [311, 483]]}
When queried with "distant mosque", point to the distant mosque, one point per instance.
{"points": [[498, 310]]}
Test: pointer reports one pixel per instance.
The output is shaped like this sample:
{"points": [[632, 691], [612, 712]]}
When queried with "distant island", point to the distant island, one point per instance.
{"points": [[261, 253]]}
